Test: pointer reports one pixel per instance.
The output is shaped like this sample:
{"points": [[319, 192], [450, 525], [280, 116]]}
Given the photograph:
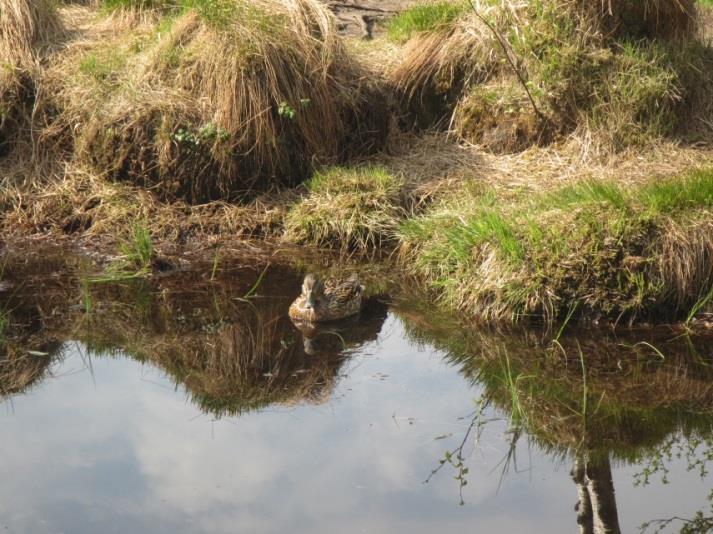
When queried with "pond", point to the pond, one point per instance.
{"points": [[190, 403]]}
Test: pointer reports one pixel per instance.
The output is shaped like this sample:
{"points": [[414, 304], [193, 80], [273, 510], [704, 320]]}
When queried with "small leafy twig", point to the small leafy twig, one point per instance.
{"points": [[455, 458]]}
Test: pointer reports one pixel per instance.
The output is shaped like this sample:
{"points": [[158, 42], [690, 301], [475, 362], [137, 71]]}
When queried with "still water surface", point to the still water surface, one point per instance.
{"points": [[112, 435]]}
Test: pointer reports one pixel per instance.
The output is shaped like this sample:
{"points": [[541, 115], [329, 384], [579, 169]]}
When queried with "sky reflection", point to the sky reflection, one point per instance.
{"points": [[120, 448]]}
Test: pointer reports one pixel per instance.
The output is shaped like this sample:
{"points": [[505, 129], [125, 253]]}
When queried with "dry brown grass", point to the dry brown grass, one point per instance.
{"points": [[379, 55], [199, 108], [428, 168], [435, 164], [26, 27], [83, 205], [436, 66], [646, 18], [684, 259]]}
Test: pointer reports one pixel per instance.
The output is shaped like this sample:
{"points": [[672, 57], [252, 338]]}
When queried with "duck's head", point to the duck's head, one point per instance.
{"points": [[313, 291]]}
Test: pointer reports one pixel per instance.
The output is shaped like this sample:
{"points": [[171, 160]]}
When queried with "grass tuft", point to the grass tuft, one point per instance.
{"points": [[424, 17], [514, 75], [620, 252], [213, 99], [26, 26], [350, 209], [135, 261], [693, 191], [138, 248], [589, 192]]}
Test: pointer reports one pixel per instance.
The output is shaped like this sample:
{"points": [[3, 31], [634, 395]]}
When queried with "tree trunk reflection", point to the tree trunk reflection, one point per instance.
{"points": [[596, 508]]}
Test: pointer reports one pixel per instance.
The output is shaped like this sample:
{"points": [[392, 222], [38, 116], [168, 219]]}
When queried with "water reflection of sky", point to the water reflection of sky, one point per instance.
{"points": [[121, 449]]}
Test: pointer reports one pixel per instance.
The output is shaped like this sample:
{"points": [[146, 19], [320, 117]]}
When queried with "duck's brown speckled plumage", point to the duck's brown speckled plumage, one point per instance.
{"points": [[328, 301]]}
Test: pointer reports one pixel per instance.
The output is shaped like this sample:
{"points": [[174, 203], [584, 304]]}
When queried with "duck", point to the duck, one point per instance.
{"points": [[328, 300]]}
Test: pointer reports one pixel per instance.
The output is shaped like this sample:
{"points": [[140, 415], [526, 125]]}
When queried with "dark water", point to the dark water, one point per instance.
{"points": [[176, 405]]}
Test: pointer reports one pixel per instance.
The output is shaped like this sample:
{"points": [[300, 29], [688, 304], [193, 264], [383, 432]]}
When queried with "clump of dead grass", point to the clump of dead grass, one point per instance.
{"points": [[25, 28], [508, 75], [350, 209], [79, 203], [216, 100], [650, 19]]}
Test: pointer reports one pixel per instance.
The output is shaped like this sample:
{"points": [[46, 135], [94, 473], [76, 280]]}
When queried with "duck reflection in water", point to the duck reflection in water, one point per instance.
{"points": [[330, 317], [342, 336]]}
